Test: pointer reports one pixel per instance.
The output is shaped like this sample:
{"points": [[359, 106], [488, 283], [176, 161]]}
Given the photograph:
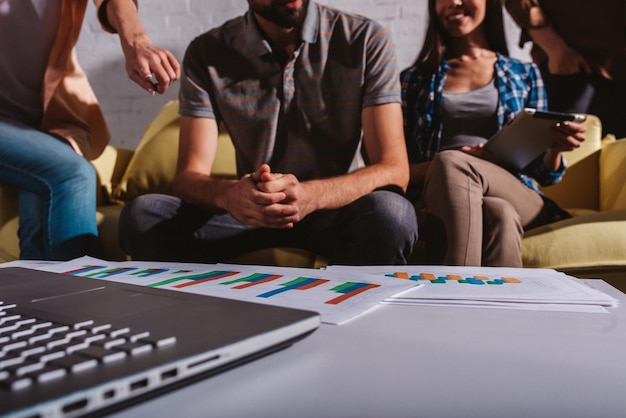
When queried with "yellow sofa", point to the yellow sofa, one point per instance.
{"points": [[592, 243]]}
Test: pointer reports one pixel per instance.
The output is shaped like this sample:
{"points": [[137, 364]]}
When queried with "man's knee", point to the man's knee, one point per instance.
{"points": [[392, 216], [142, 215], [392, 207]]}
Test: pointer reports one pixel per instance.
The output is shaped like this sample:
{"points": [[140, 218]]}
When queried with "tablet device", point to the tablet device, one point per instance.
{"points": [[526, 136]]}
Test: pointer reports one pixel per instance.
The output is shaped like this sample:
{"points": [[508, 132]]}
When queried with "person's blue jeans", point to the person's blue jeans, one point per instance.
{"points": [[377, 229], [57, 193]]}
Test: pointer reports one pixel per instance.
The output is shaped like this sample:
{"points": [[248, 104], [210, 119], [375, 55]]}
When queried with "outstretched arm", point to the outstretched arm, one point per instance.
{"points": [[143, 59]]}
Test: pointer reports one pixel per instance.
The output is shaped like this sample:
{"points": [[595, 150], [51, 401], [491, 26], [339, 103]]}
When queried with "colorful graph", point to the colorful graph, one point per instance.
{"points": [[350, 289], [337, 296], [299, 283], [253, 280], [149, 272], [455, 278], [346, 290], [195, 279]]}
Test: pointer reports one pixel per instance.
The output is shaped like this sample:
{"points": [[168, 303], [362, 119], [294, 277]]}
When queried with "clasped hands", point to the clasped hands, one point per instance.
{"points": [[270, 200]]}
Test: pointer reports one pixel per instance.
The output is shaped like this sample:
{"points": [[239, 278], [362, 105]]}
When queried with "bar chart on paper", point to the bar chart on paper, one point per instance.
{"points": [[456, 278], [337, 296], [496, 286]]}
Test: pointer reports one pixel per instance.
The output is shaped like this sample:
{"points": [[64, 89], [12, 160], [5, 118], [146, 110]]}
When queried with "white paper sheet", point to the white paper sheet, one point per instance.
{"points": [[490, 286], [337, 296]]}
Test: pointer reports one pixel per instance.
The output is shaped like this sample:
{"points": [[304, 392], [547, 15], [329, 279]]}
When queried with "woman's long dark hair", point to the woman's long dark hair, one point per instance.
{"points": [[437, 39]]}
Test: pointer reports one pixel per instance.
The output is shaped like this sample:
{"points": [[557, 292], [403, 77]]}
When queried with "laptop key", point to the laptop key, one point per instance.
{"points": [[101, 354], [58, 328], [26, 321], [6, 328], [135, 348], [96, 329], [114, 333], [6, 348], [75, 363], [7, 306], [16, 383], [48, 374], [158, 341], [22, 333], [25, 368], [50, 355], [72, 346], [109, 342], [83, 324], [29, 351], [41, 325], [57, 342], [10, 361], [6, 319], [39, 336], [134, 336]]}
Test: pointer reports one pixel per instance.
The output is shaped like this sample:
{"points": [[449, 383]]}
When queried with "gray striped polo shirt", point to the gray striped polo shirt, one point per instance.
{"points": [[303, 117]]}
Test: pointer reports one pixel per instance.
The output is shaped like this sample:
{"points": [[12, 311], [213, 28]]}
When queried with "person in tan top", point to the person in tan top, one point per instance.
{"points": [[50, 121], [580, 47]]}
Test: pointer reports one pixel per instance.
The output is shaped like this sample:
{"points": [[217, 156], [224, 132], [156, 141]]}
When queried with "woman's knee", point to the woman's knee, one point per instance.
{"points": [[76, 176]]}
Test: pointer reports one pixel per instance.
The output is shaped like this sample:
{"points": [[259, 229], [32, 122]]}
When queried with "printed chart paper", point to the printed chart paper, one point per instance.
{"points": [[337, 296], [544, 289]]}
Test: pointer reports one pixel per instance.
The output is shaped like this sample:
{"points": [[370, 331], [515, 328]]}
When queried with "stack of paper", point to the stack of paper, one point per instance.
{"points": [[536, 289]]}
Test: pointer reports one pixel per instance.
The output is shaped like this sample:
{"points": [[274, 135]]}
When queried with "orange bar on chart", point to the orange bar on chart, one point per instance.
{"points": [[454, 277], [428, 276], [511, 280], [401, 275]]}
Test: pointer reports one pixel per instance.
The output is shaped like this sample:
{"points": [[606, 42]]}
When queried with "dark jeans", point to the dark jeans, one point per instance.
{"points": [[379, 228], [589, 93]]}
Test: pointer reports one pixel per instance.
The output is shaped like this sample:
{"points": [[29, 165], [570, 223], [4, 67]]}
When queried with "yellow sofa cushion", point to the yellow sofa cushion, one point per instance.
{"points": [[153, 165], [613, 175], [591, 239]]}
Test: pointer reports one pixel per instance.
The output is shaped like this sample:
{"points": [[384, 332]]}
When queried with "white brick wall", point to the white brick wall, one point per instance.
{"points": [[173, 23]]}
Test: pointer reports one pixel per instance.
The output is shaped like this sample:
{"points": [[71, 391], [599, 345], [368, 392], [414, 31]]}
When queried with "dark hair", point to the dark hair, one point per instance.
{"points": [[437, 39]]}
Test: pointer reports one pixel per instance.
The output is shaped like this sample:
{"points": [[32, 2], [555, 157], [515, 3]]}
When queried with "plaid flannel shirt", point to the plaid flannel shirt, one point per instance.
{"points": [[519, 85]]}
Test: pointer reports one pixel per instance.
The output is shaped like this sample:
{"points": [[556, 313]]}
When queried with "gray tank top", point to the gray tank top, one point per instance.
{"points": [[27, 32], [469, 118]]}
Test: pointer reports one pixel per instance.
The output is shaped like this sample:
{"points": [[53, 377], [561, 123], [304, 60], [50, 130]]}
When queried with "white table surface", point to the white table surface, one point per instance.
{"points": [[426, 361]]}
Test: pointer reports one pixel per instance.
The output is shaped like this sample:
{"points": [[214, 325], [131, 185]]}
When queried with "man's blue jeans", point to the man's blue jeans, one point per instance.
{"points": [[57, 196], [378, 228]]}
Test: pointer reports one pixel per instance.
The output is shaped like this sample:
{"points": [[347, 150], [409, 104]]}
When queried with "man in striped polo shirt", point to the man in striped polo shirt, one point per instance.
{"points": [[308, 94]]}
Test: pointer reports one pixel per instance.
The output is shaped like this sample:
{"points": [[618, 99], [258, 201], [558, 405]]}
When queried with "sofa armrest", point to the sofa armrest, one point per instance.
{"points": [[612, 175]]}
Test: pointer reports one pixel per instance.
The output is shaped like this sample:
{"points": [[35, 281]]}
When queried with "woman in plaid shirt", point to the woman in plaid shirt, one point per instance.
{"points": [[461, 89]]}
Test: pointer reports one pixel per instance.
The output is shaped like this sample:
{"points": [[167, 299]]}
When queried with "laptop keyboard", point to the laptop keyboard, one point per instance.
{"points": [[37, 351]]}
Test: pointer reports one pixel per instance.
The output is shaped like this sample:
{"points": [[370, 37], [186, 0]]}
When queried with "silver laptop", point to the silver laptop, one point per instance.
{"points": [[71, 346]]}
